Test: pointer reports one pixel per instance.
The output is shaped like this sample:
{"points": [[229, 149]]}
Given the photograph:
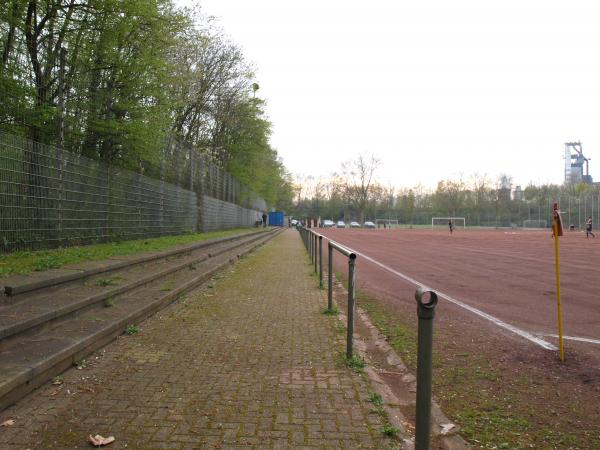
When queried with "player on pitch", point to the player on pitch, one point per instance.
{"points": [[588, 228], [450, 225]]}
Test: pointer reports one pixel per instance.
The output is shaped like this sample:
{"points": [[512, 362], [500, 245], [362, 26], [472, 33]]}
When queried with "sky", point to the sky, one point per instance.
{"points": [[436, 90]]}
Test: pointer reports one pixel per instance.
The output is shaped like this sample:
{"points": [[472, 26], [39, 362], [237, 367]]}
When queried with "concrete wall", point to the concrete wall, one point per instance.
{"points": [[219, 215]]}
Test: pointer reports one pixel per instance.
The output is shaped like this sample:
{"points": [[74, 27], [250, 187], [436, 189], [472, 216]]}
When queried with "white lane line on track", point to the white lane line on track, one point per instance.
{"points": [[524, 334], [574, 338]]}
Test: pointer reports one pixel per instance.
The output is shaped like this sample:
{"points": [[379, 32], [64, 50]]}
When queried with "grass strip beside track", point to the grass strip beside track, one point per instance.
{"points": [[496, 406], [36, 261]]}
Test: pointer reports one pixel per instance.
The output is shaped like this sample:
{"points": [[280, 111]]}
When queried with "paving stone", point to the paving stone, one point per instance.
{"points": [[248, 363]]}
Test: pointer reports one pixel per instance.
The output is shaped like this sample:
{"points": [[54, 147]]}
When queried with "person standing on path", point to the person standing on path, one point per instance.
{"points": [[588, 228], [264, 219], [451, 226]]}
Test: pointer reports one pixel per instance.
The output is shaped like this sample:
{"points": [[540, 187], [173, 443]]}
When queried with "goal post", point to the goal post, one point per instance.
{"points": [[386, 222], [443, 221], [532, 223]]}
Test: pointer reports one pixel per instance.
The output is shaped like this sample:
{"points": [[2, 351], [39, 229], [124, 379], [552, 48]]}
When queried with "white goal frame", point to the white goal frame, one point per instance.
{"points": [[446, 219], [387, 221], [535, 223]]}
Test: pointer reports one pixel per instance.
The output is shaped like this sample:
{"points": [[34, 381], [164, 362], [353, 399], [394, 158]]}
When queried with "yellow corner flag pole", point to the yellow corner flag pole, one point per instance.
{"points": [[558, 232]]}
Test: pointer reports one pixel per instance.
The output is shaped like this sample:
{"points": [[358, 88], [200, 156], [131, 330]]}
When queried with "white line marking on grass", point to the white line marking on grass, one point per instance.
{"points": [[524, 334], [574, 338]]}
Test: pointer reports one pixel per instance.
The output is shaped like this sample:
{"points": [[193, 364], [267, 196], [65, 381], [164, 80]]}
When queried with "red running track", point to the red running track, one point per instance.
{"points": [[507, 274]]}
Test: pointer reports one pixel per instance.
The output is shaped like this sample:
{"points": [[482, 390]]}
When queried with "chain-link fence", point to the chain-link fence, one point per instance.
{"points": [[49, 197], [575, 210]]}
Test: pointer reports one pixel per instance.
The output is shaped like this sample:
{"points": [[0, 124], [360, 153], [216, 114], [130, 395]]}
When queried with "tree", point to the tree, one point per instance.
{"points": [[449, 197], [359, 182]]}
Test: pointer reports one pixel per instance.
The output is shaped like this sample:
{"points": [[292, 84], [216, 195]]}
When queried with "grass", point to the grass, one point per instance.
{"points": [[105, 282], [375, 398], [356, 363], [168, 286], [25, 262], [489, 398], [132, 329], [334, 311], [81, 364], [390, 430], [401, 338]]}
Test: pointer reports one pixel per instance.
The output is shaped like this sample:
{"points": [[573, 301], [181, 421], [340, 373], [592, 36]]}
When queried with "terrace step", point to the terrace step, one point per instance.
{"points": [[19, 284], [40, 307], [50, 337]]}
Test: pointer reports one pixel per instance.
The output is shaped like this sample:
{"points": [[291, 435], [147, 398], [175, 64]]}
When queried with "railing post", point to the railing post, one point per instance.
{"points": [[426, 312], [321, 262], [316, 242], [351, 302], [330, 277]]}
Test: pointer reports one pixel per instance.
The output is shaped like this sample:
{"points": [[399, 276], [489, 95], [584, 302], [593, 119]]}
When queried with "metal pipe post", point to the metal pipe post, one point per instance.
{"points": [[351, 303], [321, 262], [330, 277], [315, 250], [426, 312]]}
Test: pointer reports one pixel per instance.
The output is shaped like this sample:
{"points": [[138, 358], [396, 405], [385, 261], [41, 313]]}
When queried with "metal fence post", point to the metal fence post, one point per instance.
{"points": [[351, 302], [330, 277], [426, 312], [316, 242], [321, 262]]}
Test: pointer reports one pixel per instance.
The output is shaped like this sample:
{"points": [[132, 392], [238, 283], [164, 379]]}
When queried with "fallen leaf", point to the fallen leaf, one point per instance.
{"points": [[7, 423], [446, 428], [98, 440]]}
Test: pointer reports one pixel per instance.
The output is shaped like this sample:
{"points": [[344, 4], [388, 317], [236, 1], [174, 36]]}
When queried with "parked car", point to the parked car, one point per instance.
{"points": [[294, 222], [341, 224], [369, 224], [354, 225], [328, 223]]}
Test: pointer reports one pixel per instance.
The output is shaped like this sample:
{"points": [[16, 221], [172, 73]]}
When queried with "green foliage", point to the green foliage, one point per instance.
{"points": [[375, 398], [26, 262], [105, 282], [334, 311], [356, 363], [390, 430], [131, 75], [132, 329]]}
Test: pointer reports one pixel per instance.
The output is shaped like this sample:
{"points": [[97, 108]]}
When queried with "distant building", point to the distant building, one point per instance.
{"points": [[574, 162], [518, 194]]}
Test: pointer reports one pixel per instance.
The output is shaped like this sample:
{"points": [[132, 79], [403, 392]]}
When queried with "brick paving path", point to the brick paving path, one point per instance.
{"points": [[246, 362]]}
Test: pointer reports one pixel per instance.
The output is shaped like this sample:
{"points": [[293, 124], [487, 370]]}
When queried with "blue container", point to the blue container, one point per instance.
{"points": [[275, 219]]}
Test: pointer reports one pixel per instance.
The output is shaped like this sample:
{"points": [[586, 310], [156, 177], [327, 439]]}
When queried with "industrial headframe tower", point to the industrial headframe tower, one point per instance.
{"points": [[574, 161]]}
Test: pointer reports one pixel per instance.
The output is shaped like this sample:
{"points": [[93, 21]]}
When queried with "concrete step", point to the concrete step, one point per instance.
{"points": [[51, 346], [58, 301], [14, 285]]}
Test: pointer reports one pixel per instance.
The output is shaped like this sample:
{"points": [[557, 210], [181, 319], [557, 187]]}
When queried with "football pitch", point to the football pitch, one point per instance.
{"points": [[495, 281]]}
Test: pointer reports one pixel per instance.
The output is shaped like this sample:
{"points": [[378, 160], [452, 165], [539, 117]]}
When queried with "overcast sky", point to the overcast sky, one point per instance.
{"points": [[434, 89]]}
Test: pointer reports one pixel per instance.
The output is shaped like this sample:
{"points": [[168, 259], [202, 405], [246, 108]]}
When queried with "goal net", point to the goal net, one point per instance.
{"points": [[443, 221], [532, 223], [386, 222]]}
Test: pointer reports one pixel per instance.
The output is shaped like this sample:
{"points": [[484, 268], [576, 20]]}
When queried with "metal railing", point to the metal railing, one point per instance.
{"points": [[313, 242], [426, 302]]}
